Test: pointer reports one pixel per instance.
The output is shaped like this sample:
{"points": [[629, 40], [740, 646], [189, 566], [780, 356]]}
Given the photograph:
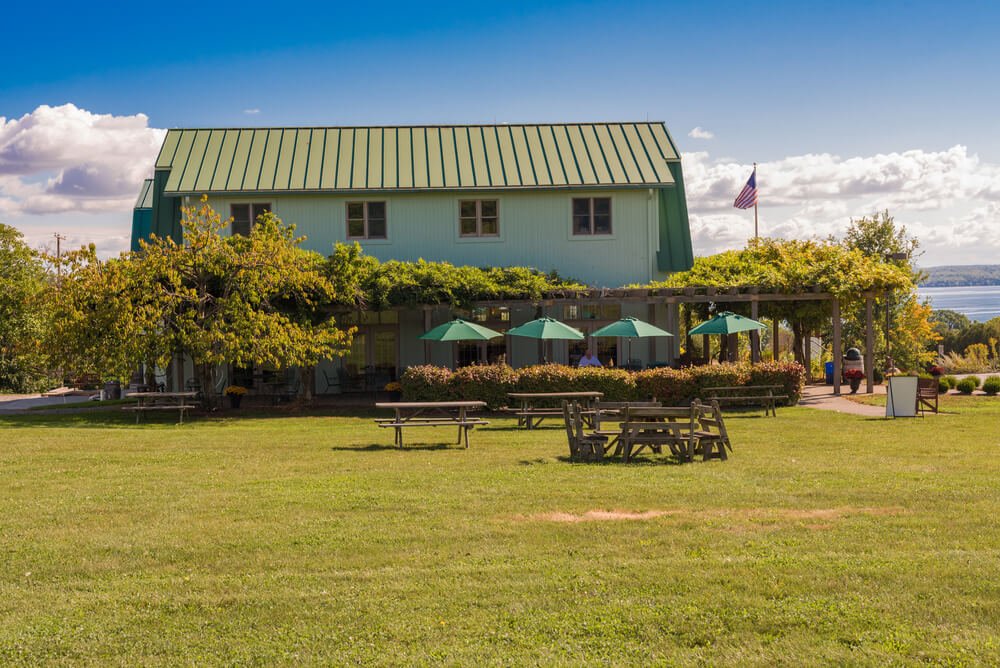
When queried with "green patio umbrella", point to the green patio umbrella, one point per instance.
{"points": [[460, 330], [727, 322], [630, 328], [547, 329]]}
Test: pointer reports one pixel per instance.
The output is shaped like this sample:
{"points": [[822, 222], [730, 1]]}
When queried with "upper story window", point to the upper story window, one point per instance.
{"points": [[245, 215], [479, 218], [591, 215], [366, 220]]}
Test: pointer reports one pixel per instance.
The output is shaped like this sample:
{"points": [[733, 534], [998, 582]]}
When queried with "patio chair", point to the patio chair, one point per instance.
{"points": [[330, 380], [927, 395], [582, 447]]}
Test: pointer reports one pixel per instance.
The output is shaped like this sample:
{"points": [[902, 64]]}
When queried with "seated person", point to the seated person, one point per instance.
{"points": [[589, 359]]}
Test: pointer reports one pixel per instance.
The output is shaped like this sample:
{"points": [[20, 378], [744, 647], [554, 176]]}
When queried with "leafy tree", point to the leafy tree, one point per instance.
{"points": [[241, 300], [24, 286]]}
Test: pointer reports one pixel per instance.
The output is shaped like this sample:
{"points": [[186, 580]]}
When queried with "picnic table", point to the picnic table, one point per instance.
{"points": [[160, 401], [530, 414], [432, 414]]}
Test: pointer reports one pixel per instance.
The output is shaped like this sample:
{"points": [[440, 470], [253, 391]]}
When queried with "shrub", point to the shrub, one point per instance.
{"points": [[991, 385], [966, 386], [489, 383], [951, 381], [427, 383], [943, 386], [616, 384], [976, 379]]}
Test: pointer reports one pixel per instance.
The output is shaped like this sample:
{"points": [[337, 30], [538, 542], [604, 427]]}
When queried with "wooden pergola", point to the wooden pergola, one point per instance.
{"points": [[674, 297]]}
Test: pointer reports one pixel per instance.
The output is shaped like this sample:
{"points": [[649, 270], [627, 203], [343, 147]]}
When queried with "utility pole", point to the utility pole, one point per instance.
{"points": [[59, 239]]}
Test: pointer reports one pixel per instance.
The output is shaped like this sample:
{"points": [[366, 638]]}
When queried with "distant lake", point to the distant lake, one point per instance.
{"points": [[976, 302]]}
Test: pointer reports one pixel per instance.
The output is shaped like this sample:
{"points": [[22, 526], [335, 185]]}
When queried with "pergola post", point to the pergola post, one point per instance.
{"points": [[705, 348], [837, 352], [733, 348], [673, 326], [651, 312], [754, 334], [427, 328], [869, 344], [807, 352], [774, 340]]}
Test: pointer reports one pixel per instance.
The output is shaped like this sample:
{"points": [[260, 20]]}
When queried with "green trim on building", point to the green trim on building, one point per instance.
{"points": [[166, 219], [675, 253], [417, 158]]}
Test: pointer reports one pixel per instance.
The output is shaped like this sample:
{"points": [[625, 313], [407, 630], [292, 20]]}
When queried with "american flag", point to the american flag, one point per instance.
{"points": [[748, 196]]}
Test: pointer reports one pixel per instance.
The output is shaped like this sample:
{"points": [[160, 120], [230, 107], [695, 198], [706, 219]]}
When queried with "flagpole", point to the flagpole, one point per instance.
{"points": [[755, 203]]}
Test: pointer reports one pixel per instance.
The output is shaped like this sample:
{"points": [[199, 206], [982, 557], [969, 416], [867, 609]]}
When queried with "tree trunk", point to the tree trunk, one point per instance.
{"points": [[798, 350], [308, 376], [206, 376]]}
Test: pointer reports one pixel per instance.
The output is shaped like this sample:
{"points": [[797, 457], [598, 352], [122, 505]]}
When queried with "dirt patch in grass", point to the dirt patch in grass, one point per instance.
{"points": [[748, 514]]}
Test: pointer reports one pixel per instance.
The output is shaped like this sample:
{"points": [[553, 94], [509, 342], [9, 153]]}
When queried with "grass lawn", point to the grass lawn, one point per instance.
{"points": [[826, 538]]}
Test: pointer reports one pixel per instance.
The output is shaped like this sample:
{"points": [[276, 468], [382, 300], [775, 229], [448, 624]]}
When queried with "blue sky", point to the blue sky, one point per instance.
{"points": [[769, 82]]}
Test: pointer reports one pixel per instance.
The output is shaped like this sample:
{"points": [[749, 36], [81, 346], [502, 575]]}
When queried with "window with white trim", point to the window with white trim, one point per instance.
{"points": [[245, 215], [591, 215], [366, 220], [479, 218]]}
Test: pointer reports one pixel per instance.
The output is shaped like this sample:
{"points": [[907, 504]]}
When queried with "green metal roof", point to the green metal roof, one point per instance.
{"points": [[459, 157], [145, 199]]}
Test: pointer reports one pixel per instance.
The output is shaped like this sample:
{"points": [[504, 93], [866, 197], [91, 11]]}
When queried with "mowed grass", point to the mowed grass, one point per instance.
{"points": [[826, 538]]}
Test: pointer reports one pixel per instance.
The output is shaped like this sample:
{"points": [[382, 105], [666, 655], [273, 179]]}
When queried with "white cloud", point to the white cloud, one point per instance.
{"points": [[701, 133], [63, 159], [815, 195], [251, 112]]}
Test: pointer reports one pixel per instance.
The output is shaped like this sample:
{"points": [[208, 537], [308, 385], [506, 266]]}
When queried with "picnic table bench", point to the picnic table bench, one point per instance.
{"points": [[431, 414], [160, 401], [654, 427], [530, 414], [761, 395]]}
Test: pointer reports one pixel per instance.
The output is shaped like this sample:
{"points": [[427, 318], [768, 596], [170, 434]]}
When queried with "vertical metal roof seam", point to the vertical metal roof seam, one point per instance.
{"points": [[572, 152], [545, 155], [454, 149], [381, 173], [631, 151], [645, 149], [263, 153], [336, 163], [590, 158], [368, 157], [562, 163], [427, 164], [604, 155], [174, 153], [517, 161], [531, 158], [277, 159], [187, 158], [397, 157], [201, 162], [309, 146], [618, 154], [218, 156], [354, 144], [229, 173], [486, 155], [657, 142], [291, 163], [503, 167]]}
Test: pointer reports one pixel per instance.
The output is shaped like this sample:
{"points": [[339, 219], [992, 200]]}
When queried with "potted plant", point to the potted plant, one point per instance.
{"points": [[854, 377], [235, 394], [395, 390]]}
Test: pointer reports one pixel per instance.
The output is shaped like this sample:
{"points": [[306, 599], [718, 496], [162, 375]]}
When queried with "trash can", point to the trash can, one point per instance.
{"points": [[112, 390], [829, 373]]}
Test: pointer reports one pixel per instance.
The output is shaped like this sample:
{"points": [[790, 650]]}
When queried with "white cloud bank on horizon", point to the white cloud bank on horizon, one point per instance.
{"points": [[66, 159], [59, 162]]}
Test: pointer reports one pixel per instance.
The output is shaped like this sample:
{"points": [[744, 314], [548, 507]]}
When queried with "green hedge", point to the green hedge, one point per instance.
{"points": [[491, 383]]}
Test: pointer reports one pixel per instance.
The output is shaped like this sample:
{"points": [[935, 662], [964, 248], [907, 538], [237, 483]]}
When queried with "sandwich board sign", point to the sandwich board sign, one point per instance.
{"points": [[901, 397]]}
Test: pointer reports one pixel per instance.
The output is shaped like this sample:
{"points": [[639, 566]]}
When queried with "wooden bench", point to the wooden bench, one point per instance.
{"points": [[139, 410], [927, 395], [761, 395]]}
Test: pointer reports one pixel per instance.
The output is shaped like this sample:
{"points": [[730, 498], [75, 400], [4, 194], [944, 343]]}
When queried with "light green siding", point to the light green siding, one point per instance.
{"points": [[535, 231]]}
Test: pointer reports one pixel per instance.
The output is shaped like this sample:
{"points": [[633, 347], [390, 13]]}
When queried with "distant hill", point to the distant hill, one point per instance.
{"points": [[961, 274]]}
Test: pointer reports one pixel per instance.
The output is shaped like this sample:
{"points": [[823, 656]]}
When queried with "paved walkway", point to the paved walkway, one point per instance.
{"points": [[16, 403], [822, 397]]}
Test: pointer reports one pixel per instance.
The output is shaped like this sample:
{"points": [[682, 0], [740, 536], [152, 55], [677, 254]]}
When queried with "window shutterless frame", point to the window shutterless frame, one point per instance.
{"points": [[479, 218], [245, 215], [367, 220], [591, 216]]}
